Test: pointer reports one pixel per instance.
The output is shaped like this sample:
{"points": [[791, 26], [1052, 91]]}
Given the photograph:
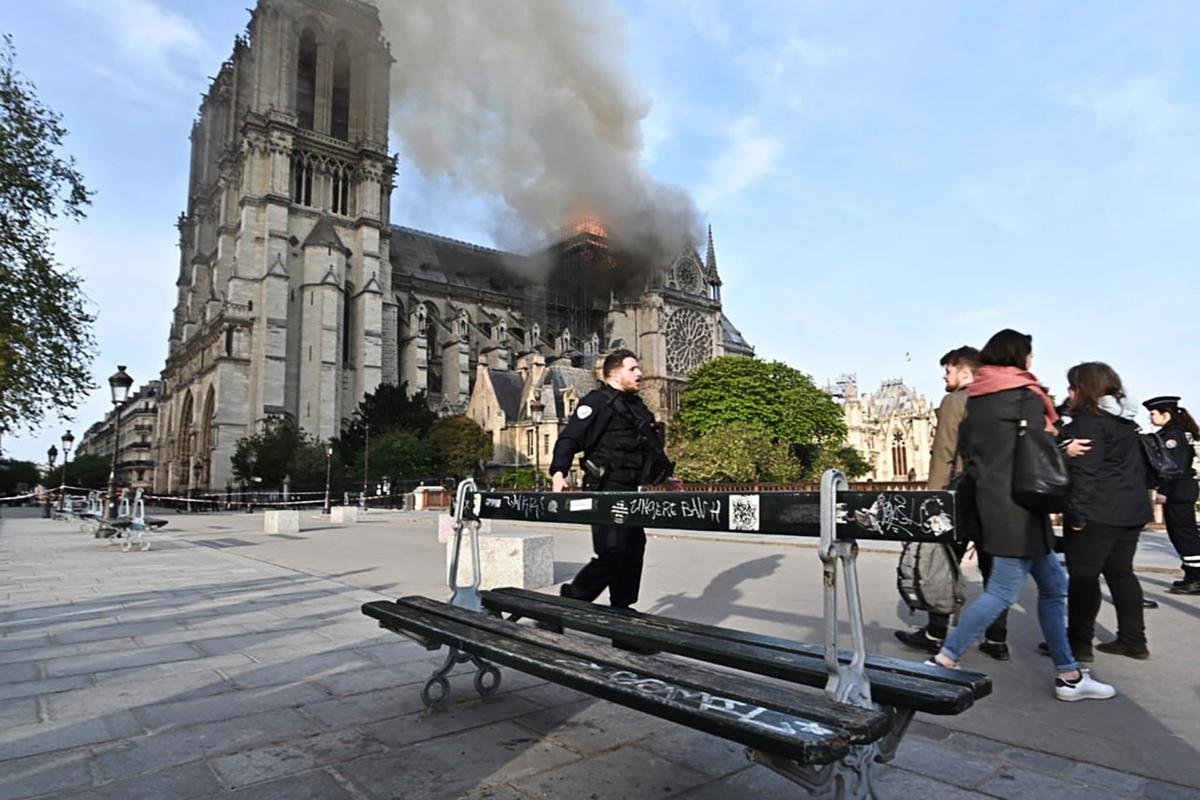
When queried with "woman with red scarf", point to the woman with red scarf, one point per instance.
{"points": [[1005, 394]]}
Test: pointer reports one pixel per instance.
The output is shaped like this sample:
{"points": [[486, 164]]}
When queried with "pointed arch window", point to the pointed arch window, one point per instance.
{"points": [[302, 179], [339, 126], [347, 322], [899, 456], [306, 79]]}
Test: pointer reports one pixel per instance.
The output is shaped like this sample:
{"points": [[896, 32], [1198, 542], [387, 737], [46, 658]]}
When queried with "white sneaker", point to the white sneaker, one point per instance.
{"points": [[1084, 688]]}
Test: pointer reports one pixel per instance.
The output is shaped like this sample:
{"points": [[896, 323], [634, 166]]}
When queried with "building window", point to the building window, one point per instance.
{"points": [[340, 199], [339, 126], [545, 444], [899, 456], [228, 349], [347, 322], [302, 179], [529, 443], [306, 80]]}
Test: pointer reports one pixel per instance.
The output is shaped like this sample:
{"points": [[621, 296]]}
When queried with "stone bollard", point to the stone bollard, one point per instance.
{"points": [[519, 560], [343, 514], [281, 522]]}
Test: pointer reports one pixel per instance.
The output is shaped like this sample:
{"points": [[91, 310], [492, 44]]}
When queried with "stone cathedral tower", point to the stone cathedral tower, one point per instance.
{"points": [[284, 245]]}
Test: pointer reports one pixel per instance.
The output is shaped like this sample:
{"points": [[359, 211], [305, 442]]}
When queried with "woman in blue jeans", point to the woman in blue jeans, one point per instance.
{"points": [[1020, 541]]}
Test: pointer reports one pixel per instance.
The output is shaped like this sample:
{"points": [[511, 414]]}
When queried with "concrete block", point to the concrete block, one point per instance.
{"points": [[446, 527], [281, 522], [524, 561], [343, 514]]}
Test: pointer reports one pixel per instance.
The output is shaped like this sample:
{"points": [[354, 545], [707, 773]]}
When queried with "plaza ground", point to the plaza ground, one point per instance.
{"points": [[226, 662]]}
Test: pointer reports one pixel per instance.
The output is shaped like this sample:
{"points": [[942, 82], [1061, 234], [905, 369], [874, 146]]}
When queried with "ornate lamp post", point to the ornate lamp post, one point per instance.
{"points": [[536, 411], [119, 383], [67, 441], [328, 461], [251, 460], [51, 457]]}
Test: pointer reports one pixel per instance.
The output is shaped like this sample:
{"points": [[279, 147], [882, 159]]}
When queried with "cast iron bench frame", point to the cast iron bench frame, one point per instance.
{"points": [[826, 744]]}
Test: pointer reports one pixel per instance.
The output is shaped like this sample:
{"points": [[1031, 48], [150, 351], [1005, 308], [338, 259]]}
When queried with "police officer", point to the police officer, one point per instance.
{"points": [[622, 449], [1177, 495]]}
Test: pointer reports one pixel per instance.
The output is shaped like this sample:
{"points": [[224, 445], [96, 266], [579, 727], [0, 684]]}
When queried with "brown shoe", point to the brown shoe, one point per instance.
{"points": [[1119, 648]]}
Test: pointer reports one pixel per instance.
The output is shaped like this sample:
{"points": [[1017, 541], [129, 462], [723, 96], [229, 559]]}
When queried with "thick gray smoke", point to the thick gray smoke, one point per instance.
{"points": [[529, 101]]}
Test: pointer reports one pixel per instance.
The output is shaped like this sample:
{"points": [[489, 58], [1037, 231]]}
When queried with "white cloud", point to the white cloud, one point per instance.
{"points": [[1140, 105], [748, 156]]}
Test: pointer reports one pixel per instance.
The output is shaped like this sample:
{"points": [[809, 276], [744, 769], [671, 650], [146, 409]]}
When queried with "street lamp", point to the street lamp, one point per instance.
{"points": [[251, 460], [51, 457], [536, 412], [119, 383], [67, 441], [328, 461]]}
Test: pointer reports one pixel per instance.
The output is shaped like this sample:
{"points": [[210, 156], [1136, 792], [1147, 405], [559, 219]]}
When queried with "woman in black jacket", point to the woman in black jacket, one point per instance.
{"points": [[1003, 396], [1107, 507]]}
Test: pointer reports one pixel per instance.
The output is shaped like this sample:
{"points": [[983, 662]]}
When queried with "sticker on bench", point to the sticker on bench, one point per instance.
{"points": [[743, 512], [580, 505], [702, 701]]}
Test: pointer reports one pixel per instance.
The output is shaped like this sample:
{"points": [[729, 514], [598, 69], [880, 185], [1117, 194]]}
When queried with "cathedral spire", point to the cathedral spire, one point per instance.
{"points": [[710, 260]]}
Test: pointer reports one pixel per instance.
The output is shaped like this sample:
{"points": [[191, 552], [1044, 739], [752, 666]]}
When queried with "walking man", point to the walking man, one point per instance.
{"points": [[622, 449], [959, 368]]}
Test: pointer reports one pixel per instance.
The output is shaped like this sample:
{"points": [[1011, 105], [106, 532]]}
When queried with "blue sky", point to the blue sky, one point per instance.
{"points": [[885, 180]]}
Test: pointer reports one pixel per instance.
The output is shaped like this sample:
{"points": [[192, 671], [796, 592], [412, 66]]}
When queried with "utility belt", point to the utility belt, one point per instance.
{"points": [[655, 469]]}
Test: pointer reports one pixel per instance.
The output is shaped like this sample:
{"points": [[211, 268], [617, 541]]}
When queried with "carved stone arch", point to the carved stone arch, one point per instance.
{"points": [[205, 440], [183, 432]]}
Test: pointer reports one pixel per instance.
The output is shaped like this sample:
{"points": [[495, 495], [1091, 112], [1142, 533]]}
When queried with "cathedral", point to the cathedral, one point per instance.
{"points": [[297, 295], [892, 428]]}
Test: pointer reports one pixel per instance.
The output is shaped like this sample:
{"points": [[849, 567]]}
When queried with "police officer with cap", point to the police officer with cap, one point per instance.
{"points": [[1177, 494], [622, 449]]}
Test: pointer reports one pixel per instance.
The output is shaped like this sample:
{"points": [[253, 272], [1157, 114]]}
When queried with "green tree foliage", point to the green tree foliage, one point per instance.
{"points": [[398, 454], [519, 478], [737, 452], [456, 445], [742, 419], [88, 471], [18, 476], [46, 343], [274, 452], [385, 409]]}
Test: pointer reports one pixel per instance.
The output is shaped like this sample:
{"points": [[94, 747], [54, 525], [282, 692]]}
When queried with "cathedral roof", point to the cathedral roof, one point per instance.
{"points": [[732, 339], [430, 257], [507, 386], [324, 233]]}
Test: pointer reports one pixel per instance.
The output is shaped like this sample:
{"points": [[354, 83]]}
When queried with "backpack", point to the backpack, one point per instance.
{"points": [[1160, 464], [929, 579]]}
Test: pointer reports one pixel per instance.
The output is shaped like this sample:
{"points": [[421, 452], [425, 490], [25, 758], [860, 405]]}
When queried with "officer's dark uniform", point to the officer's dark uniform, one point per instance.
{"points": [[609, 427], [1179, 512]]}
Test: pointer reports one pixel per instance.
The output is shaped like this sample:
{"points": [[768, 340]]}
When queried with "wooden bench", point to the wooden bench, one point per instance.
{"points": [[725, 682]]}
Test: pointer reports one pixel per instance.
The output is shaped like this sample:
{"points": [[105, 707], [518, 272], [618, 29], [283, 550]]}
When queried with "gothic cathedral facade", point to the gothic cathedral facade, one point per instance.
{"points": [[297, 296]]}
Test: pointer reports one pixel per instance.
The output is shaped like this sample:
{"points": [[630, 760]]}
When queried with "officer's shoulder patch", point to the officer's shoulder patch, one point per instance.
{"points": [[583, 412], [1170, 443]]}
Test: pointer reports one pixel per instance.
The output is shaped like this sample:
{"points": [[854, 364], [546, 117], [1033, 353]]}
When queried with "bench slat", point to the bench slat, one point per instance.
{"points": [[904, 691], [757, 727], [979, 684], [861, 725], [887, 516]]}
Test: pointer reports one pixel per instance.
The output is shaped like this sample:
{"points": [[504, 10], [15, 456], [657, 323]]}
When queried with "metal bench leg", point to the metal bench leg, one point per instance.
{"points": [[437, 688]]}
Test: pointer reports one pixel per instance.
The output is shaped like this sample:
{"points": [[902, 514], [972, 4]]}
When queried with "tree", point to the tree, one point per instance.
{"points": [[744, 419], [457, 445], [735, 452], [274, 449], [387, 408], [46, 342], [18, 476], [399, 454], [87, 471]]}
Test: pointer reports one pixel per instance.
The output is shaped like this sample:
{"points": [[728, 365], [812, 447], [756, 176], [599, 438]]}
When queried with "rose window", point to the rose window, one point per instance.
{"points": [[689, 341], [688, 278]]}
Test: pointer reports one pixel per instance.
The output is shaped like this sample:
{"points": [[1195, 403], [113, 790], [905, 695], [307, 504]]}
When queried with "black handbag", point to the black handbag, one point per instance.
{"points": [[1039, 482]]}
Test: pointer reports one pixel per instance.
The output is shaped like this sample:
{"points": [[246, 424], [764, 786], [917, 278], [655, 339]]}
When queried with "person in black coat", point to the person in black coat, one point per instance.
{"points": [[1003, 396], [1178, 494], [1107, 508]]}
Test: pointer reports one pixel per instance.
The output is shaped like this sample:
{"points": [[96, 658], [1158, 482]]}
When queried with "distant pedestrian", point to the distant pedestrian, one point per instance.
{"points": [[1003, 395], [1107, 508], [1178, 495]]}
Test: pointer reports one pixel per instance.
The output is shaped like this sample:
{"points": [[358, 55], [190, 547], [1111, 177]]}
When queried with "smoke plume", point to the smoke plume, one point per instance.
{"points": [[529, 101]]}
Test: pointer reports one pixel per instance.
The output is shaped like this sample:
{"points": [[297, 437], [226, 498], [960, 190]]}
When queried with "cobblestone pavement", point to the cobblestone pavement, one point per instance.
{"points": [[216, 666]]}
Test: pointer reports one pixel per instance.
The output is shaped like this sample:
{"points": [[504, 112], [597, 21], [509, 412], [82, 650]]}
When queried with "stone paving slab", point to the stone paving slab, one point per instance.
{"points": [[195, 670]]}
